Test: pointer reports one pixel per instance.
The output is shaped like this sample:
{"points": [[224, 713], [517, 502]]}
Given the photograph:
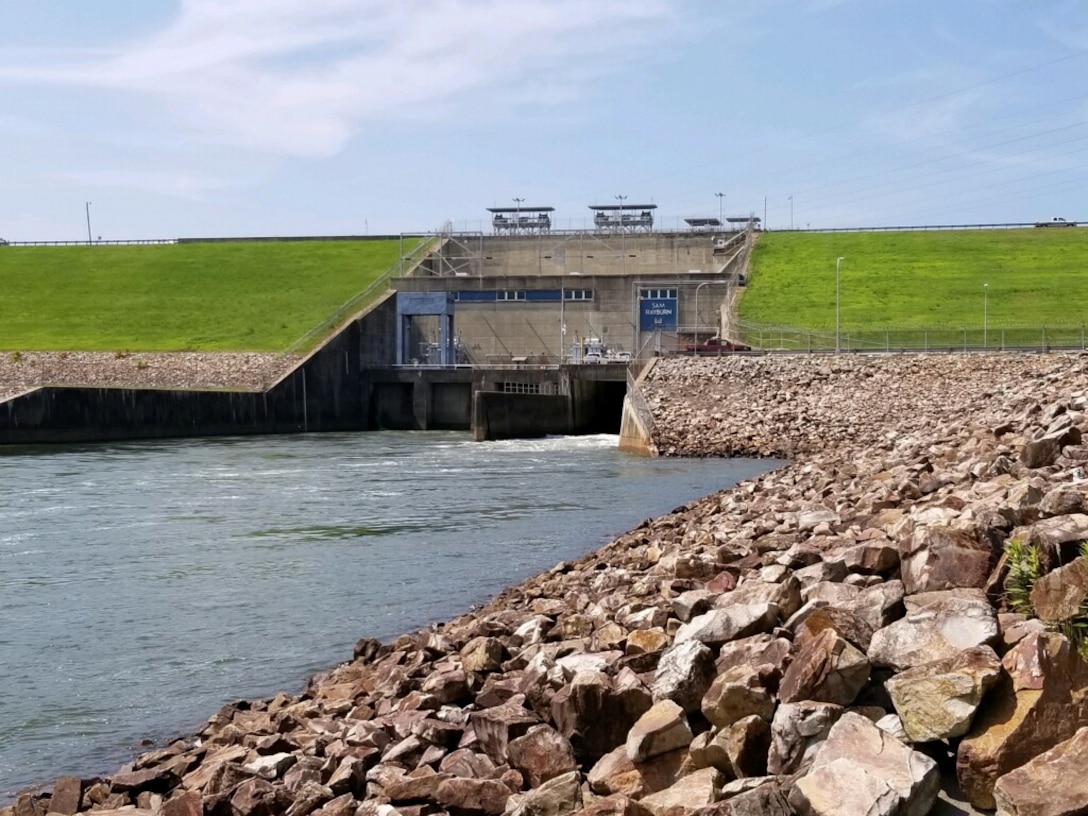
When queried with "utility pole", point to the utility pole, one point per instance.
{"points": [[623, 236], [88, 209], [720, 197]]}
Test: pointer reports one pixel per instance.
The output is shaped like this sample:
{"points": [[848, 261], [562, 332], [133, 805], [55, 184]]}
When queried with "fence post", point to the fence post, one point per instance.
{"points": [[965, 339], [887, 341], [1002, 339], [925, 339]]}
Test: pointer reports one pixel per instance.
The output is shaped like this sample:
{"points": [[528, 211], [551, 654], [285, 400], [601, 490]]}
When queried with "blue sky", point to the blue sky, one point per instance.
{"points": [[207, 118]]}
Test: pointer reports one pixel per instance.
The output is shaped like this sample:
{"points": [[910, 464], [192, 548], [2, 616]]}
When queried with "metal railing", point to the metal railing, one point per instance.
{"points": [[356, 301]]}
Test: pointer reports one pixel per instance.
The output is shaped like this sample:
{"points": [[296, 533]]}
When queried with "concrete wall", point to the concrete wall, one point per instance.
{"points": [[637, 422], [516, 416], [306, 401], [613, 268]]}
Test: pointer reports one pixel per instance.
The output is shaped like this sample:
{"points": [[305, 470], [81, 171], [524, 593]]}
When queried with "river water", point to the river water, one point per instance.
{"points": [[143, 585]]}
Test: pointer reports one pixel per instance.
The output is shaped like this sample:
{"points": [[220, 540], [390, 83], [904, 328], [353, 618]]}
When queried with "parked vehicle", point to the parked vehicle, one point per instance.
{"points": [[715, 344], [1056, 222]]}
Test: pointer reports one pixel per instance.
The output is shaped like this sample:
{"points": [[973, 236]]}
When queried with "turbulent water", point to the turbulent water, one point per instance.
{"points": [[143, 585]]}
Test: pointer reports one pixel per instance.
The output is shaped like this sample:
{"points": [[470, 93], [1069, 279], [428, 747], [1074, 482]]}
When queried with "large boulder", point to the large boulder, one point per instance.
{"points": [[827, 669], [736, 693], [937, 625], [1041, 700], [661, 729], [540, 754], [495, 727], [683, 674], [798, 731], [1056, 537], [482, 654], [556, 797], [862, 771], [1060, 594], [1055, 783], [936, 558], [938, 700], [697, 789], [746, 743], [719, 626], [616, 773], [595, 712], [463, 795]]}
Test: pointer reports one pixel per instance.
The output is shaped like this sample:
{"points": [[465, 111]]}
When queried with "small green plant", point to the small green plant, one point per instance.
{"points": [[1025, 569], [16, 356]]}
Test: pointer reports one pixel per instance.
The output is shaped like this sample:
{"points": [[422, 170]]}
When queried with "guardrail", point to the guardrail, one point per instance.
{"points": [[165, 241]]}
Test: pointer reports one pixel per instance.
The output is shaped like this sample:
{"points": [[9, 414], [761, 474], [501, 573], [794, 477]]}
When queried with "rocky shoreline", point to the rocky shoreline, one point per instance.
{"points": [[247, 371], [845, 635]]}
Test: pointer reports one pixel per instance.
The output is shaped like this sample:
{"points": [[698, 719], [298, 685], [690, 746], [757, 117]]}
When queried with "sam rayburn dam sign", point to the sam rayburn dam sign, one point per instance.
{"points": [[657, 314]]}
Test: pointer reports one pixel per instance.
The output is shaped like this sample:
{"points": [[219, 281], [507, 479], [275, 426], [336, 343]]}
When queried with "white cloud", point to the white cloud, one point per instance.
{"points": [[297, 77]]}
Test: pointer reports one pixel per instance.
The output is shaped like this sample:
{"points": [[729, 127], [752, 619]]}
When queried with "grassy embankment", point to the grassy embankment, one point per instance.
{"points": [[910, 287], [229, 296]]}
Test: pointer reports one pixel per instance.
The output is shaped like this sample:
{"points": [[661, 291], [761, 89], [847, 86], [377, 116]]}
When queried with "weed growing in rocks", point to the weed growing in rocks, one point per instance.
{"points": [[1024, 570]]}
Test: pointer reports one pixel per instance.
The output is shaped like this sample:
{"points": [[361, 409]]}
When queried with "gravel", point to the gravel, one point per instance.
{"points": [[23, 370]]}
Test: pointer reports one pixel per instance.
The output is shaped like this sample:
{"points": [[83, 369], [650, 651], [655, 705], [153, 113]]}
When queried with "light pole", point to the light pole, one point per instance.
{"points": [[88, 209], [623, 236], [985, 312], [697, 288], [517, 214], [838, 300], [720, 197], [791, 213]]}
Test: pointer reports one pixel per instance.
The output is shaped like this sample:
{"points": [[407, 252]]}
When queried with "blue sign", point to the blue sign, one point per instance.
{"points": [[657, 314]]}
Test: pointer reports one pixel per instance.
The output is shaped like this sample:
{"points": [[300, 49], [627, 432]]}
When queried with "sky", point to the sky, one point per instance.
{"points": [[160, 119]]}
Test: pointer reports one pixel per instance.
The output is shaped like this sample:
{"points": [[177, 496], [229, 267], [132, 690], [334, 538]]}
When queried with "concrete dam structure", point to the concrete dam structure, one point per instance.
{"points": [[505, 336]]}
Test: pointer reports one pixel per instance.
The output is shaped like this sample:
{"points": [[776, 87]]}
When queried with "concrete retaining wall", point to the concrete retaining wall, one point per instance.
{"points": [[637, 421], [519, 416]]}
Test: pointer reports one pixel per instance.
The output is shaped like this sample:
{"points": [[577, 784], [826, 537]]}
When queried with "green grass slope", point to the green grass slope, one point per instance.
{"points": [[1035, 277], [220, 296]]}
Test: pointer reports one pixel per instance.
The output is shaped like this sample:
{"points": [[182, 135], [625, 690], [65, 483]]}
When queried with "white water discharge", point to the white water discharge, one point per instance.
{"points": [[143, 585]]}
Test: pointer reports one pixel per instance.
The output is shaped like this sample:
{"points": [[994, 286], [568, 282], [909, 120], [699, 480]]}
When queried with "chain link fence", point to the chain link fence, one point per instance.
{"points": [[766, 337]]}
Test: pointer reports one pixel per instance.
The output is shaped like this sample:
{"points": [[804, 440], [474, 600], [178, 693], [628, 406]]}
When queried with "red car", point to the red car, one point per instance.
{"points": [[715, 344]]}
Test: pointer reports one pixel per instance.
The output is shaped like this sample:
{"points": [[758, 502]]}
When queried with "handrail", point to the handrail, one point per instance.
{"points": [[350, 305]]}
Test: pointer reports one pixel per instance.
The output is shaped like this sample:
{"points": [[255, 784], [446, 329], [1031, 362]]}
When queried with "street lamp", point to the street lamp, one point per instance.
{"points": [[720, 197], [88, 209], [985, 312], [623, 236], [838, 301]]}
